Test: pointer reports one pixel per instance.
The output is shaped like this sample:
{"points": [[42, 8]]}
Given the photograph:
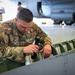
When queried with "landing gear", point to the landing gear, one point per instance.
{"points": [[57, 22], [69, 22]]}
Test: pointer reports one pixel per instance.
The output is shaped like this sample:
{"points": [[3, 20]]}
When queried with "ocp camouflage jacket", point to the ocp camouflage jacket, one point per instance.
{"points": [[12, 41]]}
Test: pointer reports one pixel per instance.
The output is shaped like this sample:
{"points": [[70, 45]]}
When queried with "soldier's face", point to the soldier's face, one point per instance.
{"points": [[22, 26]]}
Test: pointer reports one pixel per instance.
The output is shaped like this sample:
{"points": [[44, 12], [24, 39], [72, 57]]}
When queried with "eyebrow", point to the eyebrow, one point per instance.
{"points": [[24, 27]]}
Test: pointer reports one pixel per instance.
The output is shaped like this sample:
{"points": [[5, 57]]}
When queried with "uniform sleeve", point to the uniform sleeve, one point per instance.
{"points": [[15, 54], [43, 36], [12, 53]]}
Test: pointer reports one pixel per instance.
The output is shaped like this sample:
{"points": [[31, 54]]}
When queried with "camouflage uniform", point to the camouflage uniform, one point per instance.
{"points": [[12, 41], [19, 8]]}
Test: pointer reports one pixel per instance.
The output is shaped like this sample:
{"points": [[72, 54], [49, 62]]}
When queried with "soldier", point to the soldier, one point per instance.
{"points": [[19, 6], [17, 37]]}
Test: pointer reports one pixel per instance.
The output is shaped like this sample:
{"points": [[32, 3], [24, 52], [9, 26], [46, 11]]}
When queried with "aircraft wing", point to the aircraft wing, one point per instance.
{"points": [[62, 64]]}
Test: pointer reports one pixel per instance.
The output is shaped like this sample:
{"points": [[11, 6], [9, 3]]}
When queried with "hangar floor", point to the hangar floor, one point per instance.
{"points": [[59, 33]]}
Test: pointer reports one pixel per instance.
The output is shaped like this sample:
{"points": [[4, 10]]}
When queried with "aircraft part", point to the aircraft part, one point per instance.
{"points": [[60, 16], [69, 22], [34, 6], [55, 9], [59, 10], [46, 8], [62, 62]]}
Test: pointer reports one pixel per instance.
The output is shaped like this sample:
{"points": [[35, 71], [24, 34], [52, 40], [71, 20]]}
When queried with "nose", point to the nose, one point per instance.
{"points": [[26, 29]]}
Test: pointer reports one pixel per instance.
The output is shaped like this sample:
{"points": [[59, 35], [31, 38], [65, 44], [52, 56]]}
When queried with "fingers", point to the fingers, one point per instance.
{"points": [[35, 49], [47, 53], [30, 49]]}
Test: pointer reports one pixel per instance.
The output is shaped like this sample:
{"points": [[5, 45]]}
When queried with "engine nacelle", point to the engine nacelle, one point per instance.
{"points": [[57, 10]]}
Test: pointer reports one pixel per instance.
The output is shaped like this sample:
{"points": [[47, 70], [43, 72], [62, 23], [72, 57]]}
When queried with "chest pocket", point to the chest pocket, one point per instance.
{"points": [[13, 40]]}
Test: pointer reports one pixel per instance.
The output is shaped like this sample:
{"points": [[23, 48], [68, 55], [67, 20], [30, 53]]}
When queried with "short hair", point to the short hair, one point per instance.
{"points": [[19, 3], [25, 14]]}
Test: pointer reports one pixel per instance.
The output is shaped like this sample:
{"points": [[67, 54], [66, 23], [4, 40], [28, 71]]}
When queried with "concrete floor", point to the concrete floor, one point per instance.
{"points": [[59, 33]]}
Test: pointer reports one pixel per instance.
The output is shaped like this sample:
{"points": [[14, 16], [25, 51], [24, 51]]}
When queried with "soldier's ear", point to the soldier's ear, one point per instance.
{"points": [[16, 19]]}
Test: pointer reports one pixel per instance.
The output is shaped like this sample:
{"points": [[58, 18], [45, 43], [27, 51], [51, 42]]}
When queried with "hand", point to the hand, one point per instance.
{"points": [[47, 50], [31, 49]]}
